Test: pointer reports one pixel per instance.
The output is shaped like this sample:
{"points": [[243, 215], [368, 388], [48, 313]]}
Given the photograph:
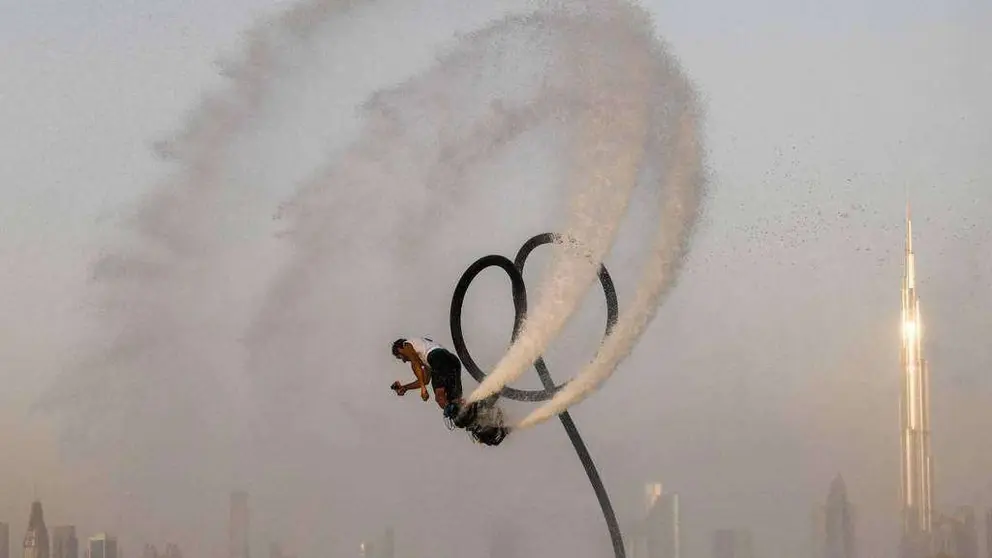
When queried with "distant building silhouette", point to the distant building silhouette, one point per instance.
{"points": [[957, 535], [4, 540], [839, 523], [238, 528], [64, 542], [729, 543], [663, 527], [36, 537], [102, 545], [659, 533]]}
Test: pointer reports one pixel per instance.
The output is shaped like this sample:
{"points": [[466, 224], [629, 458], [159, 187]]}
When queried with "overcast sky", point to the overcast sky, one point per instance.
{"points": [[772, 367]]}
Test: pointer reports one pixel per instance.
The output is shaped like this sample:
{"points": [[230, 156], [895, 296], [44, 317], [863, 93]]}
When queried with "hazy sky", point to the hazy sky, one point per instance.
{"points": [[772, 367]]}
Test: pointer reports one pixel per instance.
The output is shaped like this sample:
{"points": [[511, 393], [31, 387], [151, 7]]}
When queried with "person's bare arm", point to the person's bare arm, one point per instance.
{"points": [[423, 378]]}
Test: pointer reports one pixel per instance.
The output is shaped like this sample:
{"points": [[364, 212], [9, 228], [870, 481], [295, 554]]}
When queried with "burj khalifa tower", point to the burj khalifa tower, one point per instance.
{"points": [[914, 409]]}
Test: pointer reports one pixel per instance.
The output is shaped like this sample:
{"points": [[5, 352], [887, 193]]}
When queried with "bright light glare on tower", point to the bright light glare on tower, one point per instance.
{"points": [[909, 329]]}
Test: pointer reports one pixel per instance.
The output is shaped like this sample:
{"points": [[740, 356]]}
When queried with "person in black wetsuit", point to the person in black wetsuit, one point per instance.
{"points": [[433, 363]]}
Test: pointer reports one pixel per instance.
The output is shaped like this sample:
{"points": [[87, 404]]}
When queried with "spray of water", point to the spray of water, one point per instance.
{"points": [[643, 132], [678, 217], [224, 343], [608, 148]]}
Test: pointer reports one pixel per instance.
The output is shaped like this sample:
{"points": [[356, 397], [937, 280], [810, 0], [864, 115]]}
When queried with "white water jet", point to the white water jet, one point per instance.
{"points": [[608, 148], [677, 219]]}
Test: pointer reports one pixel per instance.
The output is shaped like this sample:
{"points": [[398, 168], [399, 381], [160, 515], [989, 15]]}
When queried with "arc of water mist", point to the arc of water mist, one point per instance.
{"points": [[679, 213], [615, 125]]}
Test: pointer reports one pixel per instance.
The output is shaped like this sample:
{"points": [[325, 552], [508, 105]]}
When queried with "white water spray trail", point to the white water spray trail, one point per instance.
{"points": [[607, 150], [677, 220]]}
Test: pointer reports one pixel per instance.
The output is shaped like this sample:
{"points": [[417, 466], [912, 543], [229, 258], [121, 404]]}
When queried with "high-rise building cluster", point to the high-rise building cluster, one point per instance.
{"points": [[924, 533], [658, 532], [61, 542]]}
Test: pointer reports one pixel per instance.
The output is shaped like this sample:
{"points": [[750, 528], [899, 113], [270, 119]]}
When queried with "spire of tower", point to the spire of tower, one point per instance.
{"points": [[910, 257], [909, 228]]}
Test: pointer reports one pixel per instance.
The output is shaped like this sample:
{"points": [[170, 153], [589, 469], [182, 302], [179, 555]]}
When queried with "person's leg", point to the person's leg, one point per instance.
{"points": [[446, 374]]}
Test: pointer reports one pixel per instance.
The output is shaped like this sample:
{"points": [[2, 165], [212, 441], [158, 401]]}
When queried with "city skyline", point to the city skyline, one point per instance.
{"points": [[140, 386], [658, 534]]}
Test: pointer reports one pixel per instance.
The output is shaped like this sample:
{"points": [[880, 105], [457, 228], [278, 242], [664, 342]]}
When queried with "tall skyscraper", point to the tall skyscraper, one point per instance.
{"points": [[659, 533], [838, 528], [103, 545], [239, 526], [914, 410], [728, 543], [4, 540], [36, 537], [64, 542], [663, 524]]}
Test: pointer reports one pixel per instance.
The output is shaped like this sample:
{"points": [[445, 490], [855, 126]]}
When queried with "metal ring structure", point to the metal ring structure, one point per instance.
{"points": [[514, 271]]}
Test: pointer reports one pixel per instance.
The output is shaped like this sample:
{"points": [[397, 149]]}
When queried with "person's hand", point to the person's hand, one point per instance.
{"points": [[423, 393], [398, 388]]}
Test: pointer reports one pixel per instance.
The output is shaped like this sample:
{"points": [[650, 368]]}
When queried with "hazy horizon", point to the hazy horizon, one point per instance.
{"points": [[771, 367]]}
